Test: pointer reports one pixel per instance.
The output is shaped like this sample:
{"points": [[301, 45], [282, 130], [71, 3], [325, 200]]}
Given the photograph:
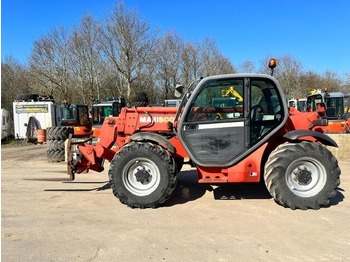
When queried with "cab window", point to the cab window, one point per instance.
{"points": [[265, 109], [312, 101], [218, 100]]}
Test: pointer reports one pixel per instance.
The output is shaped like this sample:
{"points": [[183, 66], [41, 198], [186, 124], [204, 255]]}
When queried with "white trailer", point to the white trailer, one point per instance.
{"points": [[38, 115], [5, 123]]}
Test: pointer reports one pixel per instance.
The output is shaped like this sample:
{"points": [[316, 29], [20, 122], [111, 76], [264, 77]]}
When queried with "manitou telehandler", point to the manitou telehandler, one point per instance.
{"points": [[257, 138]]}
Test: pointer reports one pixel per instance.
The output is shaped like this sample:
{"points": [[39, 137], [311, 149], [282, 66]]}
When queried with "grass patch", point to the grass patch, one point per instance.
{"points": [[8, 143]]}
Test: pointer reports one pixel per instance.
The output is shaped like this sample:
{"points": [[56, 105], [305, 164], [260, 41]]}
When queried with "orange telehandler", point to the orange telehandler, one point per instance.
{"points": [[334, 109], [254, 139]]}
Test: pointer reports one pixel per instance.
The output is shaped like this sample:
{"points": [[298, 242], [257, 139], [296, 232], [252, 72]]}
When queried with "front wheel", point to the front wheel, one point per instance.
{"points": [[302, 175], [142, 175]]}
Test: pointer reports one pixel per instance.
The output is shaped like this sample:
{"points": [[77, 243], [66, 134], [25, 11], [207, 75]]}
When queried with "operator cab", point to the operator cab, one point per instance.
{"points": [[228, 117], [74, 115], [334, 103], [101, 110]]}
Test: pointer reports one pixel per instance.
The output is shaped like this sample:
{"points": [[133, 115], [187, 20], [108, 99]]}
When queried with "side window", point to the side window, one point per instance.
{"points": [[312, 102], [335, 106], [265, 109], [97, 115], [83, 115], [68, 113], [219, 101]]}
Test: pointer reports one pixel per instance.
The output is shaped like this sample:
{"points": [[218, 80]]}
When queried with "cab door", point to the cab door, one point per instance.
{"points": [[214, 126], [227, 118]]}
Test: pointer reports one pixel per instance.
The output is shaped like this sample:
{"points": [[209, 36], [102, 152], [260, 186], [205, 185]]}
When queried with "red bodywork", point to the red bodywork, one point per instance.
{"points": [[334, 126], [117, 131], [81, 131]]}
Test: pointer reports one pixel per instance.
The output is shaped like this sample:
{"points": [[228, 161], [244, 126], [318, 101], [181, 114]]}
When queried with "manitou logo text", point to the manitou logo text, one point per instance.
{"points": [[156, 119]]}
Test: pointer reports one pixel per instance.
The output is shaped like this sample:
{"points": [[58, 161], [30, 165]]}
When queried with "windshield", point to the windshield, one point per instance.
{"points": [[68, 113], [335, 106], [99, 113], [218, 95], [105, 109], [301, 105]]}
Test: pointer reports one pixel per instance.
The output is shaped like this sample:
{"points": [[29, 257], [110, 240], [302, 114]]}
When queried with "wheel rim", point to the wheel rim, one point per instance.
{"points": [[306, 177], [141, 176]]}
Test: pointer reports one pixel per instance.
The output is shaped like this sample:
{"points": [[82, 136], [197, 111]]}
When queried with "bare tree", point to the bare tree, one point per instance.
{"points": [[311, 81], [128, 42], [332, 81], [213, 61], [264, 62], [308, 82], [346, 83], [15, 79], [87, 65], [168, 62], [287, 73], [246, 66], [146, 83], [191, 62], [121, 56], [49, 61]]}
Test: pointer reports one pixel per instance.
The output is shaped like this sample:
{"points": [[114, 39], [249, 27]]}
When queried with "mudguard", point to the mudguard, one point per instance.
{"points": [[324, 139], [146, 136]]}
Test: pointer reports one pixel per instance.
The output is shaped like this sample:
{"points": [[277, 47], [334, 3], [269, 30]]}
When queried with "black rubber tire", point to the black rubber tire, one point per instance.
{"points": [[140, 100], [33, 124], [142, 161], [302, 175], [27, 97], [56, 155], [59, 132], [54, 145], [49, 133]]}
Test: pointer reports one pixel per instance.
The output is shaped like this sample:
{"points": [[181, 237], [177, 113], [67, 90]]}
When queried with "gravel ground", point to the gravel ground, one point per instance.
{"points": [[45, 217]]}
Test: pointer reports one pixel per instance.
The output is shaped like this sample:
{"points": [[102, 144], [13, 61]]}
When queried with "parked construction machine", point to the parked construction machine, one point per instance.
{"points": [[37, 116], [334, 109], [257, 139], [102, 109], [298, 103], [74, 119], [44, 113]]}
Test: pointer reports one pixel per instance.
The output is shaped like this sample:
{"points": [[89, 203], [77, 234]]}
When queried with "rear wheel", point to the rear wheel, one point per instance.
{"points": [[56, 137], [142, 175], [56, 155], [302, 175], [55, 145], [59, 132]]}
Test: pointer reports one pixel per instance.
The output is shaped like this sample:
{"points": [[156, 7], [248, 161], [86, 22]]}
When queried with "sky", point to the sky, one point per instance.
{"points": [[315, 32]]}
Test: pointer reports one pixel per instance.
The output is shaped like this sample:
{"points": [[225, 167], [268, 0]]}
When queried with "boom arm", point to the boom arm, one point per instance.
{"points": [[115, 133]]}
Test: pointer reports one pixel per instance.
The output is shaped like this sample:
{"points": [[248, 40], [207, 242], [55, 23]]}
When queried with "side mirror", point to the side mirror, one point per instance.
{"points": [[178, 91], [320, 122]]}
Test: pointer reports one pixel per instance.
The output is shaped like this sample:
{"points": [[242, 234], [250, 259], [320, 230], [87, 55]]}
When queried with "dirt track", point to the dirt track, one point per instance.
{"points": [[47, 218]]}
